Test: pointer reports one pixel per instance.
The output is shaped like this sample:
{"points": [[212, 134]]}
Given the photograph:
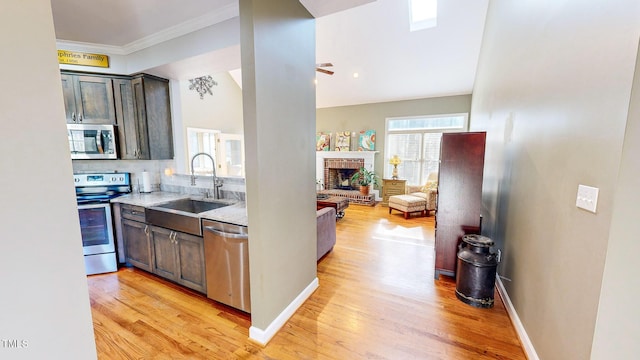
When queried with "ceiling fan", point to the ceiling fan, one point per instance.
{"points": [[319, 68]]}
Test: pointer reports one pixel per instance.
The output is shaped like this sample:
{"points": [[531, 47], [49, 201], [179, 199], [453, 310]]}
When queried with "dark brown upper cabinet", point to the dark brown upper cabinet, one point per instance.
{"points": [[88, 99], [153, 117], [139, 105]]}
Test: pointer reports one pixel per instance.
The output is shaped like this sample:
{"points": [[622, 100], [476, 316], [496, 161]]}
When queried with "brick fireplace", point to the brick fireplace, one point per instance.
{"points": [[334, 167], [338, 172]]}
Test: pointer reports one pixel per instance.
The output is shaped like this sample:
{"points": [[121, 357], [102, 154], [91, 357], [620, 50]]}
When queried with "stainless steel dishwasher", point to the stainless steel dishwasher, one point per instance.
{"points": [[226, 248]]}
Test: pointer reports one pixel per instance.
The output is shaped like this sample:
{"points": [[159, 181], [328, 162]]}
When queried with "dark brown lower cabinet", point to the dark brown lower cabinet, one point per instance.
{"points": [[179, 257], [137, 246], [459, 205]]}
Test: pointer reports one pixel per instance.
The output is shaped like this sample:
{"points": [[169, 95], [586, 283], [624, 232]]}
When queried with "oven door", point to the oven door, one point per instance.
{"points": [[96, 227]]}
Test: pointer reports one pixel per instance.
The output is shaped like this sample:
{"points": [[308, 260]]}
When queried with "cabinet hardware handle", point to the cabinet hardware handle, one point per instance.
{"points": [[146, 229], [79, 117], [73, 116]]}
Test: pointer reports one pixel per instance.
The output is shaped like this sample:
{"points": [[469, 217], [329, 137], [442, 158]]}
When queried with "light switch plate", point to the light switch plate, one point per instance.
{"points": [[587, 198]]}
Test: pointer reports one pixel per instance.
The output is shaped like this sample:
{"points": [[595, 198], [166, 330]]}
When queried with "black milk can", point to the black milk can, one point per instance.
{"points": [[476, 272]]}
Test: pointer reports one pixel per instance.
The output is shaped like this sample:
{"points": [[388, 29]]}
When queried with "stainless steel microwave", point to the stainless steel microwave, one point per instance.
{"points": [[88, 141]]}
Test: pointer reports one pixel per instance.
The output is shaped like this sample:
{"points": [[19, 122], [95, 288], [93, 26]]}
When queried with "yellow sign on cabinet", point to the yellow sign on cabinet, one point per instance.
{"points": [[81, 58]]}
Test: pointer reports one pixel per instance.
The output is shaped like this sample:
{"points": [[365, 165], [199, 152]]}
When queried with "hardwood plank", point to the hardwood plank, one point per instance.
{"points": [[377, 300]]}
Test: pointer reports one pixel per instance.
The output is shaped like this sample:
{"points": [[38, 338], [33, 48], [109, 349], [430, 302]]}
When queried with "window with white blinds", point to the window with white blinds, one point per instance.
{"points": [[416, 140]]}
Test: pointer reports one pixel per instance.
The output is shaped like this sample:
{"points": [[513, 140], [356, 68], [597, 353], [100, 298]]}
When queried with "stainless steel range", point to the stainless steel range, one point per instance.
{"points": [[93, 193]]}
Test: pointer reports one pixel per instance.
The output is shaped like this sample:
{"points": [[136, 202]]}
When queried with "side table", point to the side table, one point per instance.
{"points": [[392, 187]]}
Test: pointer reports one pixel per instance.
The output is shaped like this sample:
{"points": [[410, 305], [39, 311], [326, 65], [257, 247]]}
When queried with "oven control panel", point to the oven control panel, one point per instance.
{"points": [[101, 179]]}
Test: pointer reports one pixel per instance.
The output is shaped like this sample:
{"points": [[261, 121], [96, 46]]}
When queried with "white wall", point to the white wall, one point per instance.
{"points": [[618, 324], [278, 54], [552, 91], [220, 111], [44, 304], [219, 36]]}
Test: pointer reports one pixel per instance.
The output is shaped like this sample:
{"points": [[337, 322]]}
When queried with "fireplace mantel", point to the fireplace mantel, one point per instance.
{"points": [[368, 156]]}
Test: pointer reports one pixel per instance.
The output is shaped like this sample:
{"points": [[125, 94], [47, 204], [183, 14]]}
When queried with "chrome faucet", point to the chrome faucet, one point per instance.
{"points": [[217, 183]]}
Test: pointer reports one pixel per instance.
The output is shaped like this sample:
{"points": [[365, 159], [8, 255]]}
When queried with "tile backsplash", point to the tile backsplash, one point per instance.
{"points": [[232, 187], [134, 167], [162, 177]]}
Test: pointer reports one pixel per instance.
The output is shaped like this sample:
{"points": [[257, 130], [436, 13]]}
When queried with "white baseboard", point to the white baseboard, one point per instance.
{"points": [[529, 350], [262, 337]]}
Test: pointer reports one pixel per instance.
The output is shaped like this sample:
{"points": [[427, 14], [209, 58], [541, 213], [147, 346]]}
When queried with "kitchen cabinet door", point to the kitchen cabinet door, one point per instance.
{"points": [[70, 110], [137, 244], [128, 132], [153, 117], [165, 261], [88, 99], [190, 252], [179, 257]]}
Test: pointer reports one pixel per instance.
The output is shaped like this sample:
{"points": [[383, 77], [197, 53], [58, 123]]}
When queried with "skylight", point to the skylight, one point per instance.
{"points": [[424, 14]]}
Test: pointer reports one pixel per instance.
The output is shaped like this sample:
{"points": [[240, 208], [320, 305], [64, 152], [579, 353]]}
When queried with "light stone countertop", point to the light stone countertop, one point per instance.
{"points": [[149, 199], [232, 214]]}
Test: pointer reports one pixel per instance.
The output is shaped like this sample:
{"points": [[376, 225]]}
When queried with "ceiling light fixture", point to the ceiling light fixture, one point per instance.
{"points": [[202, 85], [356, 75]]}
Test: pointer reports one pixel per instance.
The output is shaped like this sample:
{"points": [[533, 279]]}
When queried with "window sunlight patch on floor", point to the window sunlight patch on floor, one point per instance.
{"points": [[389, 232], [402, 241]]}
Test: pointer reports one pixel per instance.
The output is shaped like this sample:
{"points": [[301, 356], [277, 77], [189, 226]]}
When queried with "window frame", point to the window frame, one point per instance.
{"points": [[422, 23], [388, 168], [201, 164]]}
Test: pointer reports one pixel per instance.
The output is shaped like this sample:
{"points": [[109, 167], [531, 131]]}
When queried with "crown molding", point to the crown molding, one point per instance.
{"points": [[225, 13], [90, 47]]}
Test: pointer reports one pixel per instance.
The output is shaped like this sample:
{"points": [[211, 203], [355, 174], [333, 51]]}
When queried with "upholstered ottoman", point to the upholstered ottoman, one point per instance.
{"points": [[408, 204]]}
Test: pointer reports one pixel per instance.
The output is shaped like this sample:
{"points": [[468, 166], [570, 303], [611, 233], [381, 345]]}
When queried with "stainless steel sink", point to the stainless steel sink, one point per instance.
{"points": [[192, 205], [181, 215]]}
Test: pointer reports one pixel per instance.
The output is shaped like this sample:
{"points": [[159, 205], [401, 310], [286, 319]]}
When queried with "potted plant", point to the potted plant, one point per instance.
{"points": [[364, 178]]}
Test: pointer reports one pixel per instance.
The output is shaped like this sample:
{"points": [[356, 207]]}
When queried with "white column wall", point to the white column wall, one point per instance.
{"points": [[44, 306]]}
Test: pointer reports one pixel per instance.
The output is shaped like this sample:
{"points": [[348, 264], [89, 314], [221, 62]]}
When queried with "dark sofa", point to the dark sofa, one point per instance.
{"points": [[326, 220]]}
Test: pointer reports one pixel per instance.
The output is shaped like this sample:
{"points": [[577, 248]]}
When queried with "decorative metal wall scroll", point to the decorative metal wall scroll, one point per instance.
{"points": [[202, 85]]}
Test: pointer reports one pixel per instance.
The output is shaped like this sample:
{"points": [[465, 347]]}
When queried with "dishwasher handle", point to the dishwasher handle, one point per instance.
{"points": [[226, 234]]}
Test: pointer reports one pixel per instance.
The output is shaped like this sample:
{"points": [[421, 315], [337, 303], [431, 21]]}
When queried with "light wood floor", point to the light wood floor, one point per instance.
{"points": [[377, 300]]}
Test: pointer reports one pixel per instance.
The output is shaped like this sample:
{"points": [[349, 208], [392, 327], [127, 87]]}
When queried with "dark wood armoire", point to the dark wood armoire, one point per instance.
{"points": [[459, 205]]}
